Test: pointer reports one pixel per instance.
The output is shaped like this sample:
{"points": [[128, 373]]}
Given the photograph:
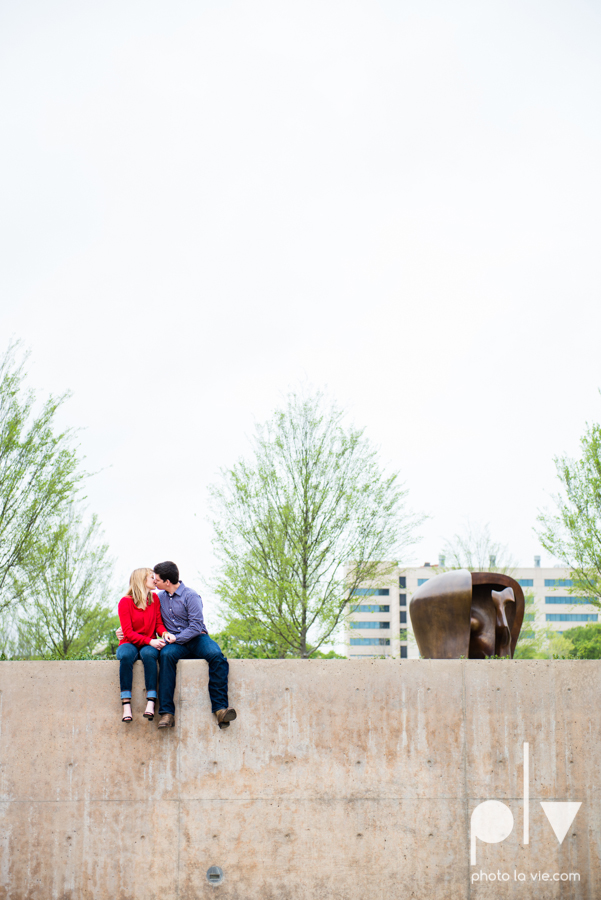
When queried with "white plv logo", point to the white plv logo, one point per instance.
{"points": [[492, 821]]}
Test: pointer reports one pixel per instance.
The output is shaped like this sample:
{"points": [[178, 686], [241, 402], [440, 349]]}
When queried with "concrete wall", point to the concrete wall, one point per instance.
{"points": [[340, 779]]}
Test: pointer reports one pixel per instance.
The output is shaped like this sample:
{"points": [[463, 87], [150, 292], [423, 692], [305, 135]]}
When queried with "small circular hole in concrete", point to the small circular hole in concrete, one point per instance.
{"points": [[214, 875]]}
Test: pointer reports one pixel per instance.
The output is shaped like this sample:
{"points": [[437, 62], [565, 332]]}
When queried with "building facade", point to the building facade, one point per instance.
{"points": [[379, 624]]}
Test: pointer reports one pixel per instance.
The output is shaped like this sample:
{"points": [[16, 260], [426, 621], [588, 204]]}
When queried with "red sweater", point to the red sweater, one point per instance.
{"points": [[140, 626]]}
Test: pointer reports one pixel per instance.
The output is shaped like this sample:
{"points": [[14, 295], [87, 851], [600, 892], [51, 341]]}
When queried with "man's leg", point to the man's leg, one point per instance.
{"points": [[169, 657], [204, 647]]}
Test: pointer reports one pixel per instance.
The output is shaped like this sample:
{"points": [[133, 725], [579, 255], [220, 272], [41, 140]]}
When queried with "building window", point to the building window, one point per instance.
{"points": [[402, 582], [403, 653], [529, 617], [558, 582], [403, 617], [402, 599], [526, 582], [572, 617], [371, 592], [568, 599], [422, 581], [403, 634], [371, 624], [370, 607], [530, 634], [370, 642]]}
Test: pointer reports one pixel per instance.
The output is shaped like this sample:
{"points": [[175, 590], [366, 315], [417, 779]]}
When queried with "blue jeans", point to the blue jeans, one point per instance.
{"points": [[127, 654], [201, 647]]}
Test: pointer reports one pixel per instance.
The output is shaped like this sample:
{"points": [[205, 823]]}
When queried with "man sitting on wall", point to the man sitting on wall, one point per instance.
{"points": [[187, 638]]}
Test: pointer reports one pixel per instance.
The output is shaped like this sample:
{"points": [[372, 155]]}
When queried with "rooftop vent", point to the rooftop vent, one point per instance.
{"points": [[537, 562]]}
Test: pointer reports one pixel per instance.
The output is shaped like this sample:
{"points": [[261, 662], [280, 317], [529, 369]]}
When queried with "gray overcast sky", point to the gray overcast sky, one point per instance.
{"points": [[205, 204]]}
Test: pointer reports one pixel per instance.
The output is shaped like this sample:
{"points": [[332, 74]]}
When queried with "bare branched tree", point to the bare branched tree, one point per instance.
{"points": [[473, 548]]}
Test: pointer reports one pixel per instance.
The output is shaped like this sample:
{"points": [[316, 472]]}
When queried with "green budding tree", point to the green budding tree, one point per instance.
{"points": [[303, 522], [38, 471], [64, 595], [53, 564], [572, 532]]}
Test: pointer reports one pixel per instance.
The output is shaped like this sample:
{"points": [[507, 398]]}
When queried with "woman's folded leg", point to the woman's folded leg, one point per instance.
{"points": [[127, 654], [150, 656]]}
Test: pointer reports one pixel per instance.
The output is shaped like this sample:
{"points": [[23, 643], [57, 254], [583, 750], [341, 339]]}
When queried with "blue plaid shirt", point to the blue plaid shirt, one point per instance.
{"points": [[182, 613]]}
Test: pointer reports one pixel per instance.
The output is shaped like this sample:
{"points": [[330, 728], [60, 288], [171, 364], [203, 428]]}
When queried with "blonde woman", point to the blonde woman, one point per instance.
{"points": [[140, 618]]}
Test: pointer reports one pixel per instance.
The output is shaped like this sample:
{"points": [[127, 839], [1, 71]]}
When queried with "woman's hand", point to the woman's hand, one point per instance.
{"points": [[157, 644]]}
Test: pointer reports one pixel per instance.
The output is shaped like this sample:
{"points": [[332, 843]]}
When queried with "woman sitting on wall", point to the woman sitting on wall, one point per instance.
{"points": [[140, 618]]}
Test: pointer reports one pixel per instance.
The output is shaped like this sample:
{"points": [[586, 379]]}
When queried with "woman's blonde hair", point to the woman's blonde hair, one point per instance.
{"points": [[138, 591]]}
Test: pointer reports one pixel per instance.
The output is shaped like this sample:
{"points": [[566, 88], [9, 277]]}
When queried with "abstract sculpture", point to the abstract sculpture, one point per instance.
{"points": [[467, 614]]}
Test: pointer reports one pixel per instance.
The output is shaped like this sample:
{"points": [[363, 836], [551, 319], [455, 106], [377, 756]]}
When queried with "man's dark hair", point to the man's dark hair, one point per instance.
{"points": [[167, 571]]}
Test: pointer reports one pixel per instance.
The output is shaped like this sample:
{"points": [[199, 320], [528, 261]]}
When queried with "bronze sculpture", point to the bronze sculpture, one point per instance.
{"points": [[467, 614]]}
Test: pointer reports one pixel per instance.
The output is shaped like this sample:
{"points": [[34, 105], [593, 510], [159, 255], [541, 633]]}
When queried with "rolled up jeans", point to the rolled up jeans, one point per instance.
{"points": [[127, 654]]}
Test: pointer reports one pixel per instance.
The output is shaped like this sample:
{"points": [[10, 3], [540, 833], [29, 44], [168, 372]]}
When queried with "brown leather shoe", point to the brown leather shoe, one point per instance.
{"points": [[225, 716], [166, 721]]}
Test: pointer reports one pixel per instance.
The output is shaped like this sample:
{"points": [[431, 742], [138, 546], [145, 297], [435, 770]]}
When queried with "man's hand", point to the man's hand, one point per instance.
{"points": [[170, 638], [157, 643], [119, 633]]}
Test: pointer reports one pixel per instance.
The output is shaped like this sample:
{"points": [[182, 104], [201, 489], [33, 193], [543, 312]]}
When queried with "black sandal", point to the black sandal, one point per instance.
{"points": [[125, 703], [147, 715]]}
